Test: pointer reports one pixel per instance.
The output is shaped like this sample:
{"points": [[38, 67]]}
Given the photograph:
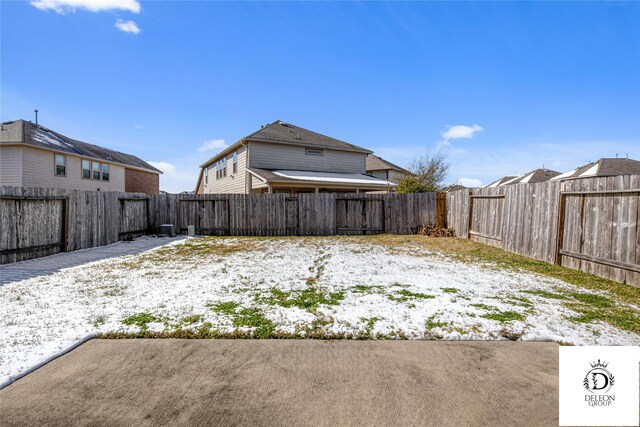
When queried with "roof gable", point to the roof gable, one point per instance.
{"points": [[21, 131], [286, 133], [375, 163]]}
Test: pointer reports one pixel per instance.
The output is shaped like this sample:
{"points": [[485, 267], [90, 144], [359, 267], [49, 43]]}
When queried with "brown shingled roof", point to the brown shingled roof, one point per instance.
{"points": [[375, 163], [281, 132], [28, 133]]}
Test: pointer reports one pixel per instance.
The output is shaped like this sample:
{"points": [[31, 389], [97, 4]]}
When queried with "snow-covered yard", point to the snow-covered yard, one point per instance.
{"points": [[318, 287]]}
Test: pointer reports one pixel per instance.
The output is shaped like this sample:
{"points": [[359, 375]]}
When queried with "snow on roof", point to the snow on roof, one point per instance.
{"points": [[332, 177], [593, 170], [563, 175]]}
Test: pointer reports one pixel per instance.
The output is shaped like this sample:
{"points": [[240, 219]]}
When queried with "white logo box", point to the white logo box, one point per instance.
{"points": [[599, 386]]}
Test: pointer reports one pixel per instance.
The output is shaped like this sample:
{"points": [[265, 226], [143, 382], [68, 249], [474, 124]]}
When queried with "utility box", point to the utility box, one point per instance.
{"points": [[191, 230], [167, 230]]}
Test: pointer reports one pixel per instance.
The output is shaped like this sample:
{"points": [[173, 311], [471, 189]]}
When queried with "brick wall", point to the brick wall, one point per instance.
{"points": [[136, 181]]}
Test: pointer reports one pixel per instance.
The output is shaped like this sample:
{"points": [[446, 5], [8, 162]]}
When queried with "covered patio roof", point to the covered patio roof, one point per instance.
{"points": [[324, 179]]}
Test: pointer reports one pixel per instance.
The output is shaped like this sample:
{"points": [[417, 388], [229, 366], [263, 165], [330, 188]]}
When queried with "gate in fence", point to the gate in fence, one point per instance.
{"points": [[134, 216], [485, 218]]}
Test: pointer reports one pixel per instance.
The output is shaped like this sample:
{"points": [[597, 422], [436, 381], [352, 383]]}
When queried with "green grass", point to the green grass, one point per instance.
{"points": [[484, 306], [366, 289], [306, 299], [503, 316], [494, 313], [404, 295], [228, 307], [432, 323], [190, 320], [545, 294], [142, 320], [255, 318], [450, 290]]}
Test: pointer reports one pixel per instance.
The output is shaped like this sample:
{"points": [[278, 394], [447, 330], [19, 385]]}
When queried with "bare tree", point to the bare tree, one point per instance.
{"points": [[428, 173]]}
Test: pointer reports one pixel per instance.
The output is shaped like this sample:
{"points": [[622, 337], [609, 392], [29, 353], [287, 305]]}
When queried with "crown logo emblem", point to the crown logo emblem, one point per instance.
{"points": [[599, 364]]}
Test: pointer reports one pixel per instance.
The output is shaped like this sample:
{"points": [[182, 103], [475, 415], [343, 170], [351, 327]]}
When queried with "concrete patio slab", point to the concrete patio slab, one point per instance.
{"points": [[290, 382]]}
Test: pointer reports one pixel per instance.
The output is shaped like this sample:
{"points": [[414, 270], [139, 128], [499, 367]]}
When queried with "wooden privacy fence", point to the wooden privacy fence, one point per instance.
{"points": [[39, 222], [305, 215], [590, 224]]}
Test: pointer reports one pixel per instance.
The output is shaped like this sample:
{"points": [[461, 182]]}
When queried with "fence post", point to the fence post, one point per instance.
{"points": [[560, 229], [441, 204], [469, 219]]}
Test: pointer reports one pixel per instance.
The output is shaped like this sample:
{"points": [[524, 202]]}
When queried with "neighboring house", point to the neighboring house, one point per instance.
{"points": [[499, 182], [603, 167], [283, 158], [34, 156], [380, 168], [531, 177], [455, 187]]}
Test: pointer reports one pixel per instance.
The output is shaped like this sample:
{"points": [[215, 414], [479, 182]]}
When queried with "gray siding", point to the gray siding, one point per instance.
{"points": [[232, 183], [290, 157], [11, 166], [38, 171]]}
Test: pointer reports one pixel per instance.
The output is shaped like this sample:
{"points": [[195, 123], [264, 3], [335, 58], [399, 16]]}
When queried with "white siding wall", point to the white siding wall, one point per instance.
{"points": [[233, 182], [277, 156], [11, 166], [38, 171]]}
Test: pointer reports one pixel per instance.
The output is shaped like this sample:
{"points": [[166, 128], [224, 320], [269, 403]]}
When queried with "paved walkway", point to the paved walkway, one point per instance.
{"points": [[50, 264], [290, 382]]}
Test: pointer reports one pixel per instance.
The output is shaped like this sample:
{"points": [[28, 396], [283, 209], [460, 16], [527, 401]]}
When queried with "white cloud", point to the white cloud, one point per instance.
{"points": [[213, 145], [64, 6], [127, 26], [165, 167], [461, 131], [470, 182]]}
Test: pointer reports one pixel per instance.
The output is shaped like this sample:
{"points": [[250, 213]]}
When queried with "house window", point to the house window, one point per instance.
{"points": [[96, 170], [224, 167], [86, 169], [105, 172], [235, 162], [60, 164], [313, 152], [206, 175]]}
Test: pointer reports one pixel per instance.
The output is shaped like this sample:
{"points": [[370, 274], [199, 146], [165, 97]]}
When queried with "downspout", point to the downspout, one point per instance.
{"points": [[246, 165]]}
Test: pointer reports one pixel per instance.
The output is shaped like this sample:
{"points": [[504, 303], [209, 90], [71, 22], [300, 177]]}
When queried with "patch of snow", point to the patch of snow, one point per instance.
{"points": [[48, 138]]}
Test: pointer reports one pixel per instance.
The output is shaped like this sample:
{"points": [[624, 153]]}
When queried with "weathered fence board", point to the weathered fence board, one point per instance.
{"points": [[598, 233]]}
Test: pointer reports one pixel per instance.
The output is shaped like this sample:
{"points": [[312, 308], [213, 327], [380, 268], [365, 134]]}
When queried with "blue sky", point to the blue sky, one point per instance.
{"points": [[503, 88]]}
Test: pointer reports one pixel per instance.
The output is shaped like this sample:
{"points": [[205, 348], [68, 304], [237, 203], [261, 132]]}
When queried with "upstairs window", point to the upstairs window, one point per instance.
{"points": [[206, 175], [105, 172], [235, 162], [96, 170], [224, 167], [313, 152], [60, 161], [86, 169]]}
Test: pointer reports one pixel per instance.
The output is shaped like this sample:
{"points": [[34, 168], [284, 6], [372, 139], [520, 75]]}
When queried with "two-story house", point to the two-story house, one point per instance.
{"points": [[284, 158], [34, 156], [383, 169]]}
